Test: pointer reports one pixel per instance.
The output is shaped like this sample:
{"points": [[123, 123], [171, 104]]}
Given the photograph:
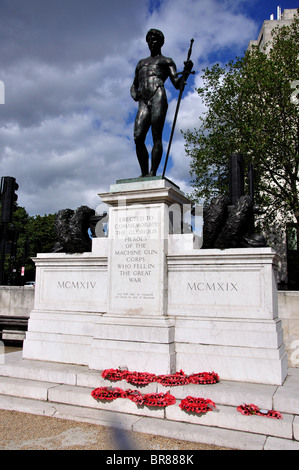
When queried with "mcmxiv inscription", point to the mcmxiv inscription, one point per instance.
{"points": [[76, 285], [213, 286]]}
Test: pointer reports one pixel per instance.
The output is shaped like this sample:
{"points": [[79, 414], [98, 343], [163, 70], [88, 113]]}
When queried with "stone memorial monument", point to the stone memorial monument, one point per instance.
{"points": [[148, 297]]}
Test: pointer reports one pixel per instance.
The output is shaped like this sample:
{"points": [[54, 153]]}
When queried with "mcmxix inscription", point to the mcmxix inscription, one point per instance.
{"points": [[212, 286]]}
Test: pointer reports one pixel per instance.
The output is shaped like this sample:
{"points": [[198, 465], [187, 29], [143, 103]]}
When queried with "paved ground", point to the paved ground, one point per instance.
{"points": [[21, 431]]}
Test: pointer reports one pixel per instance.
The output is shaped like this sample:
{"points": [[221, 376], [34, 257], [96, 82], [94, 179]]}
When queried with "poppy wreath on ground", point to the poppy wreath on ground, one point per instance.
{"points": [[149, 399], [168, 380], [159, 399], [204, 378], [197, 405], [114, 374], [135, 396], [140, 378], [252, 409], [107, 393]]}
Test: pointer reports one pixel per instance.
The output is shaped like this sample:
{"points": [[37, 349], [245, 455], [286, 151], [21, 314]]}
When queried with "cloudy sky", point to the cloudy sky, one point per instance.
{"points": [[66, 128]]}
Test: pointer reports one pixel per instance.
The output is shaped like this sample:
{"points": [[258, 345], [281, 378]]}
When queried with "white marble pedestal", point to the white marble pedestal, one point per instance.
{"points": [[149, 299], [226, 317], [136, 332]]}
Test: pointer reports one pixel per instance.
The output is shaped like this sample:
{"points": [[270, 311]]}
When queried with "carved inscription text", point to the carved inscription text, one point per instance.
{"points": [[76, 285], [212, 286]]}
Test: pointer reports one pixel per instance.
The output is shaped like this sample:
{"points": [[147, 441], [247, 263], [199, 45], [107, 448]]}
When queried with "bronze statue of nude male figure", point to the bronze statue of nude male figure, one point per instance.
{"points": [[148, 90]]}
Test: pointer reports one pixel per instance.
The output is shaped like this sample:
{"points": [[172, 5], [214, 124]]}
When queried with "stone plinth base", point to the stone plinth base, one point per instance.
{"points": [[140, 344], [149, 299], [248, 351], [226, 316]]}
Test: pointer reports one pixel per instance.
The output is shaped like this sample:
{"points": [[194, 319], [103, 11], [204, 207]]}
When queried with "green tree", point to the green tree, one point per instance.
{"points": [[27, 236], [39, 237], [250, 110], [42, 234]]}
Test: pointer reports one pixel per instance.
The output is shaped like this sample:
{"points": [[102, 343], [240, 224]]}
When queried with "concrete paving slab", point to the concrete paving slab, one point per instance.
{"points": [[229, 418], [291, 381], [27, 405], [99, 417], [25, 388], [42, 371], [10, 357], [274, 443], [293, 371], [296, 428], [286, 399], [196, 433]]}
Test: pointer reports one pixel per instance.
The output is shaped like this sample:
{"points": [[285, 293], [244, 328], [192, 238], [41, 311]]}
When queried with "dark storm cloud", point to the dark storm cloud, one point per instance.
{"points": [[66, 130], [66, 31]]}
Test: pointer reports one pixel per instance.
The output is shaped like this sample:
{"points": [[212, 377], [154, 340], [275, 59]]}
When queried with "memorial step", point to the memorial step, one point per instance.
{"points": [[226, 417], [42, 371], [281, 398], [64, 390], [25, 388], [176, 430], [224, 392]]}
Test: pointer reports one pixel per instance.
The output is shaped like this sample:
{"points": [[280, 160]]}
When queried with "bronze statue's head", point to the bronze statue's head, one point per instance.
{"points": [[157, 34]]}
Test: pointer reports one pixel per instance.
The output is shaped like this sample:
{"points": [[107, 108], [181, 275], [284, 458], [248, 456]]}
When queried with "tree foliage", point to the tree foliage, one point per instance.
{"points": [[251, 110], [27, 236]]}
